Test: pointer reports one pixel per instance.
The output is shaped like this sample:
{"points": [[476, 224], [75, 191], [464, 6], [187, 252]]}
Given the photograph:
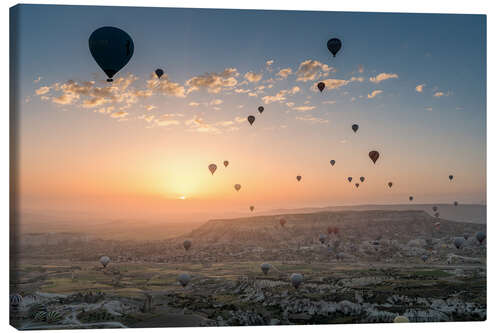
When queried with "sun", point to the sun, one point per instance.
{"points": [[182, 197]]}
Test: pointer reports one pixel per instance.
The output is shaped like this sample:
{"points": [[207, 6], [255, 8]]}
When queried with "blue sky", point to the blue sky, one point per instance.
{"points": [[427, 115]]}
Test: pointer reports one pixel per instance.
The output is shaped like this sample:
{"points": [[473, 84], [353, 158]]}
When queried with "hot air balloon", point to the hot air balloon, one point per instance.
{"points": [[450, 177], [111, 48], [159, 73], [184, 279], [252, 208], [455, 203], [374, 155], [321, 86], [332, 162], [334, 45], [362, 179], [265, 267], [226, 163], [355, 128], [299, 177], [53, 316], [260, 109], [104, 261], [434, 208], [187, 244], [466, 236], [212, 167], [458, 242], [357, 184], [424, 258], [296, 279], [480, 236], [322, 238], [237, 187], [436, 214], [282, 222], [411, 198], [389, 184], [349, 179], [401, 319], [251, 119]]}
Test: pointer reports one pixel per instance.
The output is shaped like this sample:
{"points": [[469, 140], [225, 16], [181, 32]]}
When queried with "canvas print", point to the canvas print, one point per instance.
{"points": [[205, 167]]}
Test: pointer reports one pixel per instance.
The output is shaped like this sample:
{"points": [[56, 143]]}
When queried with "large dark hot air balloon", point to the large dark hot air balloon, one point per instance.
{"points": [[349, 179], [322, 238], [374, 155], [362, 179], [455, 203], [299, 178], [260, 109], [252, 208], [251, 119], [334, 45], [450, 177], [389, 184], [159, 72], [187, 244], [355, 127], [434, 208], [357, 185], [480, 236], [411, 198], [111, 48], [212, 167], [332, 162], [321, 86]]}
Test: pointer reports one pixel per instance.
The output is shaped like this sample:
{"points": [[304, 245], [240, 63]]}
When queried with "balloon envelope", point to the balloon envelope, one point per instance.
{"points": [[187, 244], [355, 127], [357, 184], [321, 86], [480, 236], [212, 167], [450, 177], [332, 162], [111, 48], [389, 184], [252, 208], [251, 119], [226, 163], [334, 45], [104, 260], [184, 279], [299, 177], [261, 109], [159, 72], [296, 279], [411, 198], [349, 179], [265, 267], [374, 155], [362, 178], [237, 187], [458, 242]]}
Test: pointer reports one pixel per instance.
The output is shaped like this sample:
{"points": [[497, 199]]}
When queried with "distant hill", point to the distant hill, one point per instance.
{"points": [[355, 225], [460, 213]]}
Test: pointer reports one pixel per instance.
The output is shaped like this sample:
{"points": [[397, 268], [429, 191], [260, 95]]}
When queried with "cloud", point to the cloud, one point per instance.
{"points": [[312, 120], [269, 64], [438, 94], [290, 104], [118, 114], [374, 93], [105, 110], [284, 73], [420, 88], [311, 70], [428, 108], [329, 102], [216, 102], [194, 104], [38, 79], [42, 90], [383, 76], [304, 108], [361, 69], [241, 91], [148, 118], [214, 82], [150, 107], [240, 119], [253, 77], [281, 95], [357, 79]]}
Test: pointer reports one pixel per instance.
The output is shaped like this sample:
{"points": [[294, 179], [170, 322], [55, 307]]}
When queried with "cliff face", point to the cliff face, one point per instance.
{"points": [[353, 225]]}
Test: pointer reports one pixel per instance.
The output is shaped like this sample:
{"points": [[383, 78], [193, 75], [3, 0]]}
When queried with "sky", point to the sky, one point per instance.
{"points": [[140, 147]]}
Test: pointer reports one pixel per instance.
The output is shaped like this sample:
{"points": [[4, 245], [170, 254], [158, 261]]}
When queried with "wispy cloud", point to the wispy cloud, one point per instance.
{"points": [[284, 73], [312, 120], [253, 77], [311, 70], [383, 76], [214, 82], [304, 108], [420, 88], [374, 93], [281, 95]]}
